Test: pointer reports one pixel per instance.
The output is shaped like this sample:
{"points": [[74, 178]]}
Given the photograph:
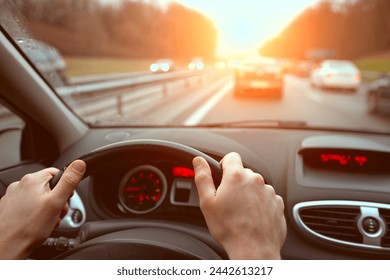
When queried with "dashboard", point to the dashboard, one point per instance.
{"points": [[335, 186]]}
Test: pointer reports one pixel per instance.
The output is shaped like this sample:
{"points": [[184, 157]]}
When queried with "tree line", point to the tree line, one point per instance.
{"points": [[132, 28], [350, 29]]}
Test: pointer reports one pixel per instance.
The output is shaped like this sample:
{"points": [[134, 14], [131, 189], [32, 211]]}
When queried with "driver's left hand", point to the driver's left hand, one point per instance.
{"points": [[29, 211]]}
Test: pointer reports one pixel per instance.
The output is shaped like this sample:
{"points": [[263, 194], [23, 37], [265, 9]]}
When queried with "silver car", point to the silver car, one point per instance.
{"points": [[336, 74]]}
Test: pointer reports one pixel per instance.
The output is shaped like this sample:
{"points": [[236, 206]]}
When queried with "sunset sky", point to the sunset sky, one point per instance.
{"points": [[243, 25]]}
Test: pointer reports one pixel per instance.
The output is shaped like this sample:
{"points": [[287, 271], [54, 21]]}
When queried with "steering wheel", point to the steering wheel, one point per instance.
{"points": [[144, 239]]}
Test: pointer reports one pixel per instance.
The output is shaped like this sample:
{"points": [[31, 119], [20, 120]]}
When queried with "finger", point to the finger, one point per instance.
{"points": [[52, 170], [12, 187], [69, 180], [231, 161], [203, 178], [232, 169], [40, 177], [64, 210], [58, 222]]}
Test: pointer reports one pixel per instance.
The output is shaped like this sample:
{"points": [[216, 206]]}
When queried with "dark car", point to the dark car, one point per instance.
{"points": [[378, 98], [259, 77]]}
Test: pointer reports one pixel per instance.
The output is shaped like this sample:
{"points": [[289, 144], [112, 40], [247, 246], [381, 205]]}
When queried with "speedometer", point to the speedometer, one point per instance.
{"points": [[142, 189]]}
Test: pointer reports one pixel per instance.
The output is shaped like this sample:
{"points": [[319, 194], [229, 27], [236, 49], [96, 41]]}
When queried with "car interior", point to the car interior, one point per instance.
{"points": [[335, 182]]}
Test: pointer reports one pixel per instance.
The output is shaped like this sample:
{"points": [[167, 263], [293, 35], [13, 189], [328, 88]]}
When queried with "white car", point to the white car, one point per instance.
{"points": [[336, 74]]}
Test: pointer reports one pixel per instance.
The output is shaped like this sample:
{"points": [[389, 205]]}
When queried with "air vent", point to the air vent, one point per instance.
{"points": [[385, 214], [359, 224], [334, 222]]}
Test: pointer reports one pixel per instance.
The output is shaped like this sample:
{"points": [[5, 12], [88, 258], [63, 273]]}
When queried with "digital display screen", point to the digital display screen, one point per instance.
{"points": [[347, 160], [184, 172]]}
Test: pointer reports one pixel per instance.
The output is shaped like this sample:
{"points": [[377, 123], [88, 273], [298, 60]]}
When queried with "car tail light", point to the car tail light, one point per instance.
{"points": [[357, 77]]}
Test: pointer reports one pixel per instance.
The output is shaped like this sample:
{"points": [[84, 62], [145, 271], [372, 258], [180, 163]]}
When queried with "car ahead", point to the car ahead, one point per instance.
{"points": [[162, 66], [336, 74], [196, 63], [259, 77], [324, 155], [378, 96]]}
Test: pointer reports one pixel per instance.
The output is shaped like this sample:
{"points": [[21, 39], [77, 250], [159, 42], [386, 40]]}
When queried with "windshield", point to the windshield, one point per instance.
{"points": [[205, 63]]}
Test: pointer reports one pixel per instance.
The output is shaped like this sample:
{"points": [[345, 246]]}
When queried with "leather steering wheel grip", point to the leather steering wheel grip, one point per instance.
{"points": [[96, 159]]}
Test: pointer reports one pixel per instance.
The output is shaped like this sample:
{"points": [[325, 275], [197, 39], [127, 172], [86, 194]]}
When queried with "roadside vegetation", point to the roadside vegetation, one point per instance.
{"points": [[349, 29], [131, 29], [80, 66], [376, 65]]}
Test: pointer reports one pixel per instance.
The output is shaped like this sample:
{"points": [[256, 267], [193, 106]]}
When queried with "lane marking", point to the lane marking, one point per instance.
{"points": [[198, 115]]}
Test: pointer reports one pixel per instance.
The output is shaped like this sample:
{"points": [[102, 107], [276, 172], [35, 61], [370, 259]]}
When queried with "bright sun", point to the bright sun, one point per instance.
{"points": [[246, 24]]}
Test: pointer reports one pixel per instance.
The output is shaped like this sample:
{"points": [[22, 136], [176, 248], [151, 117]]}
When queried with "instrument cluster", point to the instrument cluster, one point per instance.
{"points": [[146, 188]]}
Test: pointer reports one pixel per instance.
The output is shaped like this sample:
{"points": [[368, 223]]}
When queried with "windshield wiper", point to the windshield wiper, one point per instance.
{"points": [[259, 123]]}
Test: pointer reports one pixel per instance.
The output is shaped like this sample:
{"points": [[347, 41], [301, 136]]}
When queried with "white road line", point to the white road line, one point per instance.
{"points": [[198, 115], [314, 97]]}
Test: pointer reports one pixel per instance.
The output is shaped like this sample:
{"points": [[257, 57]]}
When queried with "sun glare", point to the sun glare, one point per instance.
{"points": [[246, 24]]}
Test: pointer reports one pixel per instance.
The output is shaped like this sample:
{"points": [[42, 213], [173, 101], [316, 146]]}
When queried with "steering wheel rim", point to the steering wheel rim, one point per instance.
{"points": [[94, 158], [174, 243]]}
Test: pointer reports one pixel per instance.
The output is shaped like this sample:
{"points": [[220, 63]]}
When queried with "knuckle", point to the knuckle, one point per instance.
{"points": [[12, 187], [237, 175], [259, 179], [280, 201], [270, 189], [28, 178]]}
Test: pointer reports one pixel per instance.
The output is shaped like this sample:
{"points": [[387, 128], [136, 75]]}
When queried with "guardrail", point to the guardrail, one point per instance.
{"points": [[111, 83], [115, 95], [132, 81]]}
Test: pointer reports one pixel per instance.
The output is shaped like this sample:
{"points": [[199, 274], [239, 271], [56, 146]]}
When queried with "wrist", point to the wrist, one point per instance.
{"points": [[252, 255], [12, 248], [256, 252]]}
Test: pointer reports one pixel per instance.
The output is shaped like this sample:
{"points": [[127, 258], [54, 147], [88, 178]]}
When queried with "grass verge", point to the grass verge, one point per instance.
{"points": [[82, 66], [377, 65]]}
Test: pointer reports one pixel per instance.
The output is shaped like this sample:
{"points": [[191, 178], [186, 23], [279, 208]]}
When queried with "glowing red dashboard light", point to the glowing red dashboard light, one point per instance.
{"points": [[361, 160], [340, 158], [343, 159], [179, 171]]}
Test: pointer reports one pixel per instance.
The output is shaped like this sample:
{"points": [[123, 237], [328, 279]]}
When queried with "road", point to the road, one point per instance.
{"points": [[321, 108], [211, 99]]}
